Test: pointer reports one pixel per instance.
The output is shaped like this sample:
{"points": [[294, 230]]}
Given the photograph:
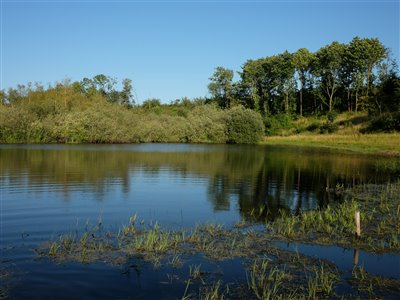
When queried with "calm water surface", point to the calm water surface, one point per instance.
{"points": [[46, 190]]}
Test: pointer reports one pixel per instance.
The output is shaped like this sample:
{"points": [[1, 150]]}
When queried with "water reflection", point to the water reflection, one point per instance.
{"points": [[246, 176]]}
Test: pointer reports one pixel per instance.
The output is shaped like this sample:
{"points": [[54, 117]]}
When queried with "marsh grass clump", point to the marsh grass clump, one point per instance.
{"points": [[271, 272], [265, 281], [380, 220], [195, 272], [322, 282], [368, 285], [212, 292]]}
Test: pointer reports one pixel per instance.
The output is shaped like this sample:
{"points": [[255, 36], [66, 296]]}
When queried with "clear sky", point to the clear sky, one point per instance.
{"points": [[170, 48]]}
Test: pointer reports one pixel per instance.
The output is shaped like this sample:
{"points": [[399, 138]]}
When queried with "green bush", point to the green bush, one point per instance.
{"points": [[331, 116], [14, 124], [314, 126], [274, 124], [207, 124], [328, 128], [244, 126], [385, 123]]}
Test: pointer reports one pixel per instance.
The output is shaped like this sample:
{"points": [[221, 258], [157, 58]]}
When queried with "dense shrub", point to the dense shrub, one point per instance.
{"points": [[275, 124], [244, 126], [154, 128], [207, 124], [385, 123], [14, 124], [102, 122], [313, 127], [328, 127]]}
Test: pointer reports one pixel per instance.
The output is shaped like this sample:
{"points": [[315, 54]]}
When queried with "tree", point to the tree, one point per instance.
{"points": [[302, 61], [104, 84], [126, 93], [282, 70], [269, 81], [221, 87], [253, 80], [327, 67], [2, 97], [364, 55]]}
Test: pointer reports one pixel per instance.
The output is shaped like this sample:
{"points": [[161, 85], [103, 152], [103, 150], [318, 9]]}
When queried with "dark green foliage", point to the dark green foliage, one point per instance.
{"points": [[314, 127], [343, 77], [221, 86], [244, 126], [276, 123], [331, 116], [386, 122], [330, 126]]}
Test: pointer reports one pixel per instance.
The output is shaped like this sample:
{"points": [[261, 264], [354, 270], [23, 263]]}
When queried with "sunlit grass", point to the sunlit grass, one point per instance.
{"points": [[383, 143]]}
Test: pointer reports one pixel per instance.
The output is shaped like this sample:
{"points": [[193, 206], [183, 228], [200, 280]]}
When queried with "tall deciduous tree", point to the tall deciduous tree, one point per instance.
{"points": [[302, 61], [254, 80], [283, 71], [327, 68], [365, 54], [221, 86], [126, 93]]}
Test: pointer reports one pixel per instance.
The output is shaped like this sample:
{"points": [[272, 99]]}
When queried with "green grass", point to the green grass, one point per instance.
{"points": [[382, 143], [348, 137]]}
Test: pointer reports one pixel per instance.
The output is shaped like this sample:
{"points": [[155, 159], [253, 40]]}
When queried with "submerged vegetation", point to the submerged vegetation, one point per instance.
{"points": [[272, 273]]}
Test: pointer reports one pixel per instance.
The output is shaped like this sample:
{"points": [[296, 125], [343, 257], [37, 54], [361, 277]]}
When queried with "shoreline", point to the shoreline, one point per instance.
{"points": [[384, 144]]}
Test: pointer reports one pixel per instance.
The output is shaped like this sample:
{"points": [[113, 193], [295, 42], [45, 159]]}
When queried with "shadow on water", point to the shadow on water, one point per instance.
{"points": [[253, 176], [47, 189], [387, 265]]}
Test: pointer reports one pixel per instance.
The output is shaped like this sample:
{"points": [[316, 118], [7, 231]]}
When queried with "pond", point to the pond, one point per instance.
{"points": [[47, 190]]}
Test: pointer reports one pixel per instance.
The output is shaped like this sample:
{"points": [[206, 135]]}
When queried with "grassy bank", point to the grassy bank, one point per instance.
{"points": [[382, 143], [346, 131]]}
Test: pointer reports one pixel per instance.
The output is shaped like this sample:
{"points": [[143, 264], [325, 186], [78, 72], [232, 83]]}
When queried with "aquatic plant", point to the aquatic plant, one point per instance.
{"points": [[263, 281], [321, 282], [195, 273]]}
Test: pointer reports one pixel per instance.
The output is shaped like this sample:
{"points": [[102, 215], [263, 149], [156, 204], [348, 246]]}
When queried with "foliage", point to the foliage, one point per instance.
{"points": [[221, 86], [345, 77], [387, 122], [65, 114], [349, 77], [275, 123], [207, 124], [244, 126]]}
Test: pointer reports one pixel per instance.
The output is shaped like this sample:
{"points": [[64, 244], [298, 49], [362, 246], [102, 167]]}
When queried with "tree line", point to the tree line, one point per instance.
{"points": [[271, 91], [95, 111], [358, 76]]}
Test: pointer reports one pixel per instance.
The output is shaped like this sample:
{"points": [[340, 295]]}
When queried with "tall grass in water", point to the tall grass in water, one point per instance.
{"points": [[322, 282], [263, 280]]}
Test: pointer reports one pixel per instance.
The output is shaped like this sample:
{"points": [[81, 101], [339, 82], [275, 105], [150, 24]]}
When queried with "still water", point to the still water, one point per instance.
{"points": [[46, 190]]}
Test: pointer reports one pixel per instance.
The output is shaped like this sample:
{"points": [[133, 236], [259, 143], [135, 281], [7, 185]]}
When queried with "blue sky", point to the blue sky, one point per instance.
{"points": [[170, 48]]}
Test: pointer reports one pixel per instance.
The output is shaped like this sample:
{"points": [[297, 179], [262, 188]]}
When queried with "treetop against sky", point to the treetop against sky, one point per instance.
{"points": [[170, 48]]}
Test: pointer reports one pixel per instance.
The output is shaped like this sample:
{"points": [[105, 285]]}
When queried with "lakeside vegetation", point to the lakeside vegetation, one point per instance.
{"points": [[288, 93], [265, 265]]}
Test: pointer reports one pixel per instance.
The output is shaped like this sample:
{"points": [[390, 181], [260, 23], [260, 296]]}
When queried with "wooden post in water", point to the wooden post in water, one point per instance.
{"points": [[357, 221], [355, 256]]}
